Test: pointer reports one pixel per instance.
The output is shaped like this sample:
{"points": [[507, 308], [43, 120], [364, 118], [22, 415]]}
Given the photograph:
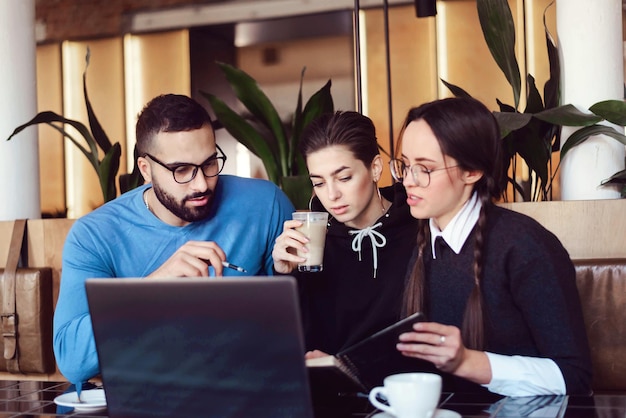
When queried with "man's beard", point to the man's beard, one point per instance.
{"points": [[187, 214]]}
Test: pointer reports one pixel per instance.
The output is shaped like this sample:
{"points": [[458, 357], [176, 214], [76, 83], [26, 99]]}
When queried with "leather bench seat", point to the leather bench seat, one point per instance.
{"points": [[602, 288]]}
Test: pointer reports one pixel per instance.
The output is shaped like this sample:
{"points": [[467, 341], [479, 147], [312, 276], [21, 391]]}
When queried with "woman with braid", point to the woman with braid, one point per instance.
{"points": [[498, 289]]}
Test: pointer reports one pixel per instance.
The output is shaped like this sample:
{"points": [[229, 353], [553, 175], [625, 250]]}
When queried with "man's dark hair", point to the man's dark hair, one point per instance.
{"points": [[168, 113]]}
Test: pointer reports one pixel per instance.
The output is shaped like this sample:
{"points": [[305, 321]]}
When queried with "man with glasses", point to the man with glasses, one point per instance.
{"points": [[186, 221]]}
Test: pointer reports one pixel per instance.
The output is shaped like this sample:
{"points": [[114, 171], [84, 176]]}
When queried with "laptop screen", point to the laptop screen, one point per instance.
{"points": [[200, 347]]}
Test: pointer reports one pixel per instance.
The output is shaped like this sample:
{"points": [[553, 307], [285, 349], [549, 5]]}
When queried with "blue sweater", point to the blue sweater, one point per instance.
{"points": [[123, 239]]}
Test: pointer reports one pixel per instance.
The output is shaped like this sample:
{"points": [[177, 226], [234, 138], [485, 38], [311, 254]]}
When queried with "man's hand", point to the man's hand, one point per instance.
{"points": [[193, 260]]}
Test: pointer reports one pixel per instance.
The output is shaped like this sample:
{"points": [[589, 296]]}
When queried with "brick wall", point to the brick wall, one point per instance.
{"points": [[85, 19]]}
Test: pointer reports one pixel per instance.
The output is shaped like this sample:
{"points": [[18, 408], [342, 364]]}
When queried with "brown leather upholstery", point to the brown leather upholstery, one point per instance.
{"points": [[602, 288]]}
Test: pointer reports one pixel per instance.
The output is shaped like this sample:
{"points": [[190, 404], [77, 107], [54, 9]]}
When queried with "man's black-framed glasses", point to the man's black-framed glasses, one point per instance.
{"points": [[186, 172], [420, 173]]}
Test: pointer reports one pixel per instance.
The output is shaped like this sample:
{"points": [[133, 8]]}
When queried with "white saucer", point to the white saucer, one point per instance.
{"points": [[92, 400], [440, 413], [446, 413]]}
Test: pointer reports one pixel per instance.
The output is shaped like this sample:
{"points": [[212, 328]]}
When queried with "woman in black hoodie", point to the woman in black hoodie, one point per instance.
{"points": [[370, 238]]}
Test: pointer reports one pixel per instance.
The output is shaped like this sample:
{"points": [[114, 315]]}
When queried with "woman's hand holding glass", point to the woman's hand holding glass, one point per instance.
{"points": [[285, 247]]}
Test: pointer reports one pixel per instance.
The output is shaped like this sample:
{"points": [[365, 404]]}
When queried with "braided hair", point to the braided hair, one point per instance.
{"points": [[468, 132]]}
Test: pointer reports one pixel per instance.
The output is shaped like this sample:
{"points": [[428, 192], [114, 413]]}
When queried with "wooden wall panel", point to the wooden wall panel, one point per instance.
{"points": [[280, 80], [413, 69], [537, 63], [51, 153], [324, 57], [464, 58], [156, 63]]}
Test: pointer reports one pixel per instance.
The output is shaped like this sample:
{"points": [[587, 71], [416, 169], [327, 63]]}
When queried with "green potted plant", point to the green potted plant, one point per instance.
{"points": [[266, 135], [98, 143], [534, 133]]}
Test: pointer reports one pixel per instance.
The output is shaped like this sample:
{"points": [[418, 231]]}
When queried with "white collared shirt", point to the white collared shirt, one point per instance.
{"points": [[510, 375], [456, 232]]}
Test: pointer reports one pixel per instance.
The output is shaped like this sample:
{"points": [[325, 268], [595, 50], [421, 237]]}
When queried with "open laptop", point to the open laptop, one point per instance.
{"points": [[200, 347]]}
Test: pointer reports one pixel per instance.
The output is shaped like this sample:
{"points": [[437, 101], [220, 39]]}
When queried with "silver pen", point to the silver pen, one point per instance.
{"points": [[234, 267]]}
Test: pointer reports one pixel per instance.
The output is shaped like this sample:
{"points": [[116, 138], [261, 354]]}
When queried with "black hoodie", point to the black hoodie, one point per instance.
{"points": [[350, 300]]}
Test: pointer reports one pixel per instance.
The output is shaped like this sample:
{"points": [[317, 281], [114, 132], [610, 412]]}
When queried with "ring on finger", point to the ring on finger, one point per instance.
{"points": [[442, 339]]}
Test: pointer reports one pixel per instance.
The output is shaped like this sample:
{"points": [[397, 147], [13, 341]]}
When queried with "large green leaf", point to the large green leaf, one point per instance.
{"points": [[496, 22], [243, 132], [130, 180], [533, 147], [108, 170], [296, 128], [551, 93], [265, 134], [456, 90], [534, 103], [613, 111], [49, 118], [545, 133], [299, 190], [619, 177], [320, 102], [584, 133], [99, 135], [518, 188], [133, 179], [505, 107], [567, 115], [248, 92], [511, 121]]}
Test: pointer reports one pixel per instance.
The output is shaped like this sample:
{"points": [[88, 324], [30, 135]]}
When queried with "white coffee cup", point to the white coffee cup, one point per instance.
{"points": [[314, 226], [410, 395]]}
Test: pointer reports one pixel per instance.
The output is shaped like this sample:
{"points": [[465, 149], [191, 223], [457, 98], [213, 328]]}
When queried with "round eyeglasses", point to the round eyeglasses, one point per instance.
{"points": [[186, 172], [420, 173]]}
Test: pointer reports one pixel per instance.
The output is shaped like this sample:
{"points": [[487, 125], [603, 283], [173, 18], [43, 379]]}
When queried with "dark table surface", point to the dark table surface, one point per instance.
{"points": [[36, 399]]}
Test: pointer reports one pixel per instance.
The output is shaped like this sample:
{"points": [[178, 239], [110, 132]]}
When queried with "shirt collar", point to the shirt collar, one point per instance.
{"points": [[456, 232]]}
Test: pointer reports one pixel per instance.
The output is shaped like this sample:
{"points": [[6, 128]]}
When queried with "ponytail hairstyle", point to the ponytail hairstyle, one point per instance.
{"points": [[468, 132], [350, 129]]}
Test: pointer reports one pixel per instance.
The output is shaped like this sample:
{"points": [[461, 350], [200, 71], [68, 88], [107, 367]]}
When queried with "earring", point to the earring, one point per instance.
{"points": [[380, 198]]}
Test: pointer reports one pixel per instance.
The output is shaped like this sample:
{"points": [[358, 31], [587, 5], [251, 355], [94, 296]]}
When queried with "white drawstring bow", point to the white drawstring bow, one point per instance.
{"points": [[378, 241]]}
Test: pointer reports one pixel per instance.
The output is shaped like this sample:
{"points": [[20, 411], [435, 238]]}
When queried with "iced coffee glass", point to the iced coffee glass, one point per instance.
{"points": [[314, 228]]}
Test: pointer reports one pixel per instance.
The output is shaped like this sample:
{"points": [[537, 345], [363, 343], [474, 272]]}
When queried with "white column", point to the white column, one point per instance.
{"points": [[590, 43], [19, 157]]}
